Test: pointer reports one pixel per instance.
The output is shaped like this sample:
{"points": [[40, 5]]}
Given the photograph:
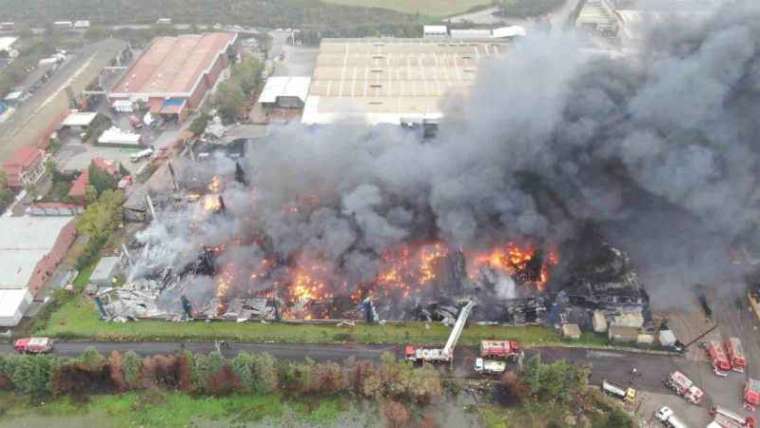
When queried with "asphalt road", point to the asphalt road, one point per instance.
{"points": [[614, 366]]}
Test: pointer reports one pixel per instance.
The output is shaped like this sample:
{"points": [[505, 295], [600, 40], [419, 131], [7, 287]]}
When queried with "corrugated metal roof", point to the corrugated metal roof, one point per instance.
{"points": [[79, 118], [382, 80], [173, 65], [24, 242], [11, 301], [285, 86]]}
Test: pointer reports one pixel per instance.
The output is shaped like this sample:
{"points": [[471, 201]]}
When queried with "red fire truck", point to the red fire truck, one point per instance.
{"points": [[728, 419], [735, 353], [752, 394], [717, 355], [500, 349], [33, 345], [684, 387]]}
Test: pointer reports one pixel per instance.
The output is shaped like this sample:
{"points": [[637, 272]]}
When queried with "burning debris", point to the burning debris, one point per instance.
{"points": [[315, 221]]}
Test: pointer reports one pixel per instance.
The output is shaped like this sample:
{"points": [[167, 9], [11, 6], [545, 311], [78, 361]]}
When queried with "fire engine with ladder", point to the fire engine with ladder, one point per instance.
{"points": [[445, 354], [725, 418]]}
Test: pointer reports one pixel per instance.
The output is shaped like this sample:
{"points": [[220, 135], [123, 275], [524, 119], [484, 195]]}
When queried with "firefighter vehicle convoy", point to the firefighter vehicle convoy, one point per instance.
{"points": [[727, 356], [494, 354]]}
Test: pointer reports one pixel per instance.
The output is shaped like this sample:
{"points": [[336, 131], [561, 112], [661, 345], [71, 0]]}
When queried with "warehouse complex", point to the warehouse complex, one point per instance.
{"points": [[31, 248], [391, 80], [174, 73]]}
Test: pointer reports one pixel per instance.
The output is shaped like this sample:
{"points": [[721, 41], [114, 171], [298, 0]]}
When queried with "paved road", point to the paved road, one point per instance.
{"points": [[612, 365]]}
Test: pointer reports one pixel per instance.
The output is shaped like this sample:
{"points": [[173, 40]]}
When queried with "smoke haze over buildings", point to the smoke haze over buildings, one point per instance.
{"points": [[658, 150]]}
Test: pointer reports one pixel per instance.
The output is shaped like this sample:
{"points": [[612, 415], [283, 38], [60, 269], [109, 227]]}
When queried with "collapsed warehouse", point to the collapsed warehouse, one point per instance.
{"points": [[349, 221], [168, 279]]}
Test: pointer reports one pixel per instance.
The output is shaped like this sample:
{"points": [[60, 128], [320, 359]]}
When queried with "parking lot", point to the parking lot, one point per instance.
{"points": [[75, 155], [733, 320]]}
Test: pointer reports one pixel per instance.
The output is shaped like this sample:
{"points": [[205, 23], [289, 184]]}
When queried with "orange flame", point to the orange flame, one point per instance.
{"points": [[215, 186], [511, 259], [211, 203]]}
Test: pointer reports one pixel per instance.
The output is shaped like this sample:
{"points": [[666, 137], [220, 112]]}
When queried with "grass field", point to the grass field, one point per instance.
{"points": [[77, 319], [156, 409], [436, 8]]}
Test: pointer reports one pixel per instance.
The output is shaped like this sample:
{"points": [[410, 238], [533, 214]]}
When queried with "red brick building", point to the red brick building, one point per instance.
{"points": [[25, 167]]}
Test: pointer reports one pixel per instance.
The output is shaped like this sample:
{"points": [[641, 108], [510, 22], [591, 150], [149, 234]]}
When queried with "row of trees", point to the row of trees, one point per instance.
{"points": [[270, 14], [559, 385], [232, 95], [213, 374], [99, 221]]}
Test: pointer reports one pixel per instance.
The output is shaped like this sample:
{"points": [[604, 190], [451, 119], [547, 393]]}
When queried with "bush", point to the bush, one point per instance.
{"points": [[33, 374], [556, 382], [132, 367], [92, 359]]}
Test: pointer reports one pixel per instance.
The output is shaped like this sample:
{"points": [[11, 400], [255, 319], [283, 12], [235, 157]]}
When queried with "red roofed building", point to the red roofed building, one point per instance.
{"points": [[174, 74], [108, 166], [79, 186], [25, 168], [46, 266]]}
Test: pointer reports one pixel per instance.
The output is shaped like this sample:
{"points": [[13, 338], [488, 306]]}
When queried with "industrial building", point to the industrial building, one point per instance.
{"points": [[285, 92], [598, 16], [391, 80], [31, 247], [13, 305], [174, 74]]}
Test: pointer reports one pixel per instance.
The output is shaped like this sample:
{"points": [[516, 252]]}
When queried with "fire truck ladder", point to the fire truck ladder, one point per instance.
{"points": [[456, 332], [703, 334]]}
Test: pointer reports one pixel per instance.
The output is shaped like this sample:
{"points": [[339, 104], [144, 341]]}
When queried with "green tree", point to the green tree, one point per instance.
{"points": [[6, 194], [556, 382], [100, 179], [230, 101], [132, 366], [91, 358], [33, 375], [90, 194], [198, 126], [248, 75], [242, 366], [618, 419], [102, 217]]}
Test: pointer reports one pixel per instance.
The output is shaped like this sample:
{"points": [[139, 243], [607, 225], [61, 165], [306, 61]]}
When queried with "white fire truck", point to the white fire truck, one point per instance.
{"points": [[445, 354], [489, 366]]}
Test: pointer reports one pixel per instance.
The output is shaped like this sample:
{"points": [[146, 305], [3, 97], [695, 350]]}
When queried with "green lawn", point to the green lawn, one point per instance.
{"points": [[437, 8], [157, 409], [78, 319]]}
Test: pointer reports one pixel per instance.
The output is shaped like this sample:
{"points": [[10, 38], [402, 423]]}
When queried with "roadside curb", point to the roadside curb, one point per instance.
{"points": [[610, 348]]}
